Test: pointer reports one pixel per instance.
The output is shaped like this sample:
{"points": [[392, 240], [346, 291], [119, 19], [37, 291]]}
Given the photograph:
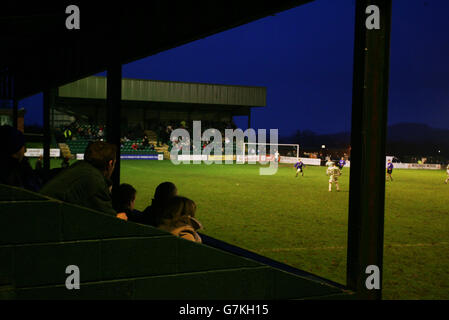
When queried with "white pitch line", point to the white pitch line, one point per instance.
{"points": [[341, 247]]}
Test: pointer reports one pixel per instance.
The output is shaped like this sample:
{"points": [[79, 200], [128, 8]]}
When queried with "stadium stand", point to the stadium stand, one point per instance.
{"points": [[77, 146]]}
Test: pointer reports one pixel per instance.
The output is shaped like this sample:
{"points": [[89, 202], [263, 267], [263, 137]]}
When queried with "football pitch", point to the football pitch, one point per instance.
{"points": [[297, 221]]}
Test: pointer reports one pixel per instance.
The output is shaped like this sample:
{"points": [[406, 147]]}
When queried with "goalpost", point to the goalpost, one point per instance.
{"points": [[253, 148]]}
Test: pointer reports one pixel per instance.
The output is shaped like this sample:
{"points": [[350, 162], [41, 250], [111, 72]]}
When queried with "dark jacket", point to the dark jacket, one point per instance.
{"points": [[134, 215], [149, 215], [81, 184], [18, 174]]}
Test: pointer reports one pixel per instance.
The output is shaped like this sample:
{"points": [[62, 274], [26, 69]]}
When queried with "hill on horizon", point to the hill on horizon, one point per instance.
{"points": [[402, 139]]}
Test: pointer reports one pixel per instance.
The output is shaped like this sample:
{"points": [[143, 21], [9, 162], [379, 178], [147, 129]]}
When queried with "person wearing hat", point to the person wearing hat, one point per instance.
{"points": [[15, 170]]}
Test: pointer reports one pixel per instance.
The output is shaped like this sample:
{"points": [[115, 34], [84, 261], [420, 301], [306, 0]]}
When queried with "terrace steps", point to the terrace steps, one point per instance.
{"points": [[125, 260]]}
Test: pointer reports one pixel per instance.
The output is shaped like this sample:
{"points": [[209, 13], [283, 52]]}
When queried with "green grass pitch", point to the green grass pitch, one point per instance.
{"points": [[299, 222]]}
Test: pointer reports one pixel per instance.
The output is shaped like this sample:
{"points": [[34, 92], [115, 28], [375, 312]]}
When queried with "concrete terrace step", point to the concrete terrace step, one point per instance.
{"points": [[31, 265], [40, 221], [238, 284]]}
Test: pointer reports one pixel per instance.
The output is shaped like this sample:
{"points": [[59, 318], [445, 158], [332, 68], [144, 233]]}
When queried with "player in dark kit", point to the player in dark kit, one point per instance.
{"points": [[341, 163], [299, 168], [389, 170]]}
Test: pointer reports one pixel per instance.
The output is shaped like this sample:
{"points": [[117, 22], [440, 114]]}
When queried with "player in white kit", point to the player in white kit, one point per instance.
{"points": [[333, 172]]}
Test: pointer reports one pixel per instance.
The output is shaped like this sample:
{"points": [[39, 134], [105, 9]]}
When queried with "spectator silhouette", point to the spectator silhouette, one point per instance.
{"points": [[65, 163], [15, 170], [123, 200], [38, 165], [164, 192], [178, 218], [145, 142], [68, 134], [87, 182]]}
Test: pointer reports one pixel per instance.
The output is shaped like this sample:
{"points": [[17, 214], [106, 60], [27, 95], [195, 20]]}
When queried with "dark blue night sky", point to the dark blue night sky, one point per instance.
{"points": [[304, 56]]}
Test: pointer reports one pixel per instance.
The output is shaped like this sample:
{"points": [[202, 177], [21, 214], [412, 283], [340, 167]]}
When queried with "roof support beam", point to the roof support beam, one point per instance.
{"points": [[48, 102], [15, 113], [114, 86], [113, 113], [368, 143], [144, 31]]}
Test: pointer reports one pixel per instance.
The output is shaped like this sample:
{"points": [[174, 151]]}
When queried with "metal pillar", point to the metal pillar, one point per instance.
{"points": [[113, 113], [368, 143], [15, 113], [114, 87], [47, 102]]}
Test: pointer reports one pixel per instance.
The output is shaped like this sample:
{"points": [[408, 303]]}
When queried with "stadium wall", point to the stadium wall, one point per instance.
{"points": [[409, 166], [36, 153], [306, 161], [417, 166], [159, 156], [245, 159]]}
